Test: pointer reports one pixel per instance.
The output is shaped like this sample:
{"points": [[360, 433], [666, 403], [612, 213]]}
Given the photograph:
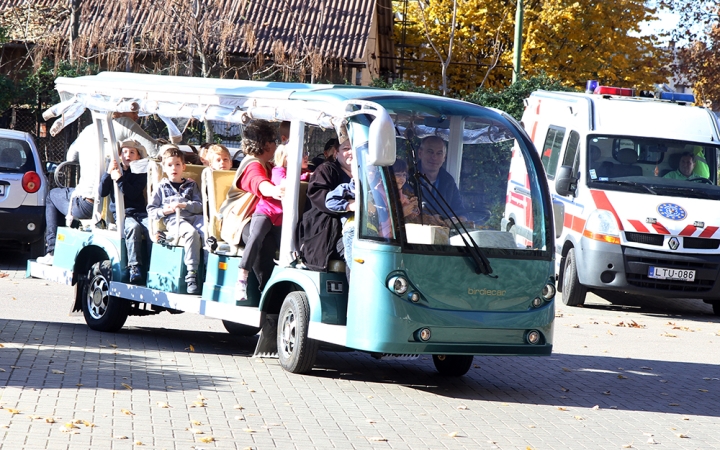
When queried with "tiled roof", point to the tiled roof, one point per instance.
{"points": [[336, 28]]}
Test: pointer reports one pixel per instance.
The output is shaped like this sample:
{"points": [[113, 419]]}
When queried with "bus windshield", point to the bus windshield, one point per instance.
{"points": [[448, 189], [653, 166]]}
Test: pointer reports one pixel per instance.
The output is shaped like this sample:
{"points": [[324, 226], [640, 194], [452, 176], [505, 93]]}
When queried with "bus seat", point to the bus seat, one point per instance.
{"points": [[215, 187], [336, 265], [627, 168], [155, 175]]}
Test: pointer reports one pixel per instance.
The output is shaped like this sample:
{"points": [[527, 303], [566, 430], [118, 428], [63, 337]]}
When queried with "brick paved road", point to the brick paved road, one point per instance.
{"points": [[606, 386]]}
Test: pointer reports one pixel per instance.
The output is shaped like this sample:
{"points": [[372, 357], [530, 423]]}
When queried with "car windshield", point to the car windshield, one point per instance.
{"points": [[448, 189], [15, 156], [653, 166]]}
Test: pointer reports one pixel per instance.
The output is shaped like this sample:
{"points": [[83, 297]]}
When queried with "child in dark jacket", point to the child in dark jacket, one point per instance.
{"points": [[342, 200], [132, 186]]}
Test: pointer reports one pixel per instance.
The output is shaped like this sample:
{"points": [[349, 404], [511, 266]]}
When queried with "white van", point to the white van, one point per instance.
{"points": [[635, 191]]}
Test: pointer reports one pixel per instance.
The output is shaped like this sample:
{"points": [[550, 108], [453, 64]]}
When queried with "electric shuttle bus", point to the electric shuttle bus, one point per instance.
{"points": [[450, 282]]}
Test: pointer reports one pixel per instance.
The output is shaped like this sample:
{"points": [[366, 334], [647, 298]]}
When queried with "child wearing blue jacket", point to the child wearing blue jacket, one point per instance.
{"points": [[342, 199]]}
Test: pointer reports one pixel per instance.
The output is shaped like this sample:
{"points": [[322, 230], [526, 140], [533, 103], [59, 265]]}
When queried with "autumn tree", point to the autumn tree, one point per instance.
{"points": [[697, 37], [567, 40]]}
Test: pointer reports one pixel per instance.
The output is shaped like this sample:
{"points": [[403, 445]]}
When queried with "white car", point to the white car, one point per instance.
{"points": [[23, 190]]}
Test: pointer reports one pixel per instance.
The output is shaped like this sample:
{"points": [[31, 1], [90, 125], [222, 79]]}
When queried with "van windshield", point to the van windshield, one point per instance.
{"points": [[448, 189], [654, 166]]}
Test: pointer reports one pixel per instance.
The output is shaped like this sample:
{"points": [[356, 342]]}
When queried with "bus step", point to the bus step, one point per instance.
{"points": [[267, 344]]}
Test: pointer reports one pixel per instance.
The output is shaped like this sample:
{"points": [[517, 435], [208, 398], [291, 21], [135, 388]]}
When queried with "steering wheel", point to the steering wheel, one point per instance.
{"points": [[700, 180]]}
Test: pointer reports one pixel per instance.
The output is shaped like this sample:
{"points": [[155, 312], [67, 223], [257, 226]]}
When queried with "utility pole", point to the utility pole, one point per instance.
{"points": [[518, 41]]}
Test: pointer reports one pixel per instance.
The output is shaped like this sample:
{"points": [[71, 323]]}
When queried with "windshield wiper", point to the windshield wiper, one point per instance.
{"points": [[633, 183], [482, 263]]}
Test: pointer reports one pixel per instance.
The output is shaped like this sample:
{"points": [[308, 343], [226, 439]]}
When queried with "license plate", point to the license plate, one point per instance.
{"points": [[662, 273]]}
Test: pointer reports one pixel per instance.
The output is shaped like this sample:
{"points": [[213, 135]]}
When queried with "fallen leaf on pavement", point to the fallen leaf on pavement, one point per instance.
{"points": [[462, 407], [238, 407], [453, 434], [674, 404], [34, 417], [196, 431], [127, 412], [562, 408], [199, 403], [579, 418], [49, 420], [12, 411], [651, 441], [249, 430], [138, 443], [682, 436], [378, 439], [627, 446], [565, 369], [596, 407], [126, 386], [121, 437], [196, 423], [207, 439], [163, 405], [564, 389], [190, 347], [622, 377], [57, 372], [669, 335]]}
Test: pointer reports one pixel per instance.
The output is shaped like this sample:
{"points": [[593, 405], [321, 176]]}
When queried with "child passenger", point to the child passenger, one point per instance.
{"points": [[342, 200], [267, 219], [176, 193], [218, 157], [132, 186]]}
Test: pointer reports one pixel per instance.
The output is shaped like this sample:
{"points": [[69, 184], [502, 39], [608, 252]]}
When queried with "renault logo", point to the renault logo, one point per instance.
{"points": [[673, 243]]}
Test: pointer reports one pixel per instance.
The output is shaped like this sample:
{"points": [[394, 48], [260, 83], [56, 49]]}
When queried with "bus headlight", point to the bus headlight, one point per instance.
{"points": [[533, 337], [398, 285], [602, 226], [548, 291]]}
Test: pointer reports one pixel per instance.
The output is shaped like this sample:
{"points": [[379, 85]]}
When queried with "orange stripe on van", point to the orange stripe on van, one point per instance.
{"points": [[688, 230], [638, 226], [602, 202], [660, 228], [575, 223], [709, 231]]}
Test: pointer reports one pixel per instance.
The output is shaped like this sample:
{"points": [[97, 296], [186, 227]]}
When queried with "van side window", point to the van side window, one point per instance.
{"points": [[571, 156], [551, 150]]}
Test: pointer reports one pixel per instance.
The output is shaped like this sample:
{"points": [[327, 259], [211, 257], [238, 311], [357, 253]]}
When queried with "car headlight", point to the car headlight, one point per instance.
{"points": [[602, 226]]}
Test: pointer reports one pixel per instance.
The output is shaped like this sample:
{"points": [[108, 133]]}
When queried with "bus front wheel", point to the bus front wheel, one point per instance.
{"points": [[452, 365], [102, 311], [573, 293], [296, 351]]}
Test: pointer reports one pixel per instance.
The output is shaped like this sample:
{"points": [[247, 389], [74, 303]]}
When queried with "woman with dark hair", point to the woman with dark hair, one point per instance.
{"points": [[253, 176]]}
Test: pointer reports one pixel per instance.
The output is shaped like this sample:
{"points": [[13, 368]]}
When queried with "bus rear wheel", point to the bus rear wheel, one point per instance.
{"points": [[452, 365], [102, 311], [239, 329], [296, 351], [573, 293]]}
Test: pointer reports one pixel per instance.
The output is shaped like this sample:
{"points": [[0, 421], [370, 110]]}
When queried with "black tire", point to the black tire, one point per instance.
{"points": [[452, 365], [102, 311], [573, 293], [716, 308], [295, 350], [238, 329]]}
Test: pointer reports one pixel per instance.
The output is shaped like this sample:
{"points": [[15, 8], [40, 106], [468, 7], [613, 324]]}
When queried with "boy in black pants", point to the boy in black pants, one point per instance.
{"points": [[132, 185]]}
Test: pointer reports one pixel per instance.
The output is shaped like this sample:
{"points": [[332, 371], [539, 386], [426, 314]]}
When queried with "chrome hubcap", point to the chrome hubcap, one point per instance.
{"points": [[97, 298], [288, 335]]}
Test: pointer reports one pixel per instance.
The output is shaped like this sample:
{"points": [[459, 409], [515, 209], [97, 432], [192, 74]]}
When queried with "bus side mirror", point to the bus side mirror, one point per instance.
{"points": [[565, 181], [381, 142]]}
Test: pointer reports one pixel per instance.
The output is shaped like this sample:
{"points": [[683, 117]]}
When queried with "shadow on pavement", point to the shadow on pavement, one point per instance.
{"points": [[690, 309], [52, 355], [154, 359]]}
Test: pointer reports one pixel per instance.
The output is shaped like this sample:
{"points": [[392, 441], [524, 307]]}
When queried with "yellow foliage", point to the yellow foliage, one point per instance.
{"points": [[568, 40]]}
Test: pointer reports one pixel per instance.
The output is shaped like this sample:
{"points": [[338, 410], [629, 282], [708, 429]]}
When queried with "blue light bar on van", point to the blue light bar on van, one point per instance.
{"points": [[677, 97]]}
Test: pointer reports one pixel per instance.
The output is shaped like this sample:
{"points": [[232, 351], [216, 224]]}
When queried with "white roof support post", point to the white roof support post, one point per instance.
{"points": [[291, 215]]}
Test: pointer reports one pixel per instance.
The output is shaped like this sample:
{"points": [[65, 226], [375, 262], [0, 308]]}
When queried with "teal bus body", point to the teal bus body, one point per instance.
{"points": [[416, 288]]}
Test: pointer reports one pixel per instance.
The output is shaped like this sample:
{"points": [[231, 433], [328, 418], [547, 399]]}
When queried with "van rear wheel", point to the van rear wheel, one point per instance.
{"points": [[102, 311], [573, 293], [452, 365], [296, 351]]}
